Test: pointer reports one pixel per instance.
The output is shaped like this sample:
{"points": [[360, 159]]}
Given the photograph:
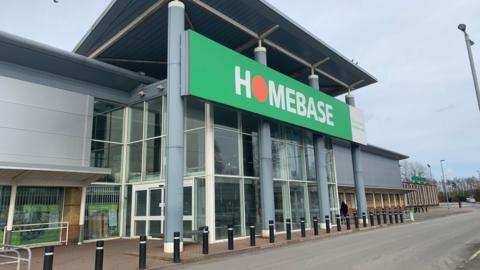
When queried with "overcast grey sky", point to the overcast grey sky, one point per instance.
{"points": [[424, 103]]}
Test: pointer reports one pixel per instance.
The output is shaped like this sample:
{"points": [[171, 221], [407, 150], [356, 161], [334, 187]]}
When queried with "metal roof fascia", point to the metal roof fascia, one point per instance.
{"points": [[72, 57]]}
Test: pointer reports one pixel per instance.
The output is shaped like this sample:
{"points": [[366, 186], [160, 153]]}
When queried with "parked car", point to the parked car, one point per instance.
{"points": [[471, 200]]}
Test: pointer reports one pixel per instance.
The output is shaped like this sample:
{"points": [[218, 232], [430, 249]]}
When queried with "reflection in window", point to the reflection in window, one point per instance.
{"points": [[135, 162], [295, 162], [313, 201], [227, 206], [298, 203], [107, 121], [107, 155], [136, 122], [102, 211], [195, 114], [253, 215], [195, 151], [226, 152], [310, 163], [279, 163], [225, 118], [154, 118], [154, 157], [250, 155]]}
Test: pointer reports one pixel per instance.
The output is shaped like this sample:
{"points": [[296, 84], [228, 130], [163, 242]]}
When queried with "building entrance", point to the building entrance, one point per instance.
{"points": [[148, 210]]}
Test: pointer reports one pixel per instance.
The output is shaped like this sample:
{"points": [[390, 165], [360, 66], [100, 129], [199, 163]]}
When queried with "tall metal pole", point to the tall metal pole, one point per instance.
{"points": [[443, 183], [469, 43]]}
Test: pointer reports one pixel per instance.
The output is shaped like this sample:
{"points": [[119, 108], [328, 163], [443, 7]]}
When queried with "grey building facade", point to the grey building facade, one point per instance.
{"points": [[87, 133]]}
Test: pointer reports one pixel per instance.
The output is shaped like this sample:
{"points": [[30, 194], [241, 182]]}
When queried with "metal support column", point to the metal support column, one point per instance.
{"points": [[83, 201], [11, 214], [357, 168], [320, 152], [266, 166], [175, 134]]}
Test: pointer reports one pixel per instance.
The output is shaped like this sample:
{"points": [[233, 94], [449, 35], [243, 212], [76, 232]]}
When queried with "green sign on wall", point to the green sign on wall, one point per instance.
{"points": [[221, 75]]}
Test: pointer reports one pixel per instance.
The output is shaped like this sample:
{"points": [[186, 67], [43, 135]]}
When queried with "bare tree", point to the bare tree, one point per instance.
{"points": [[412, 168]]}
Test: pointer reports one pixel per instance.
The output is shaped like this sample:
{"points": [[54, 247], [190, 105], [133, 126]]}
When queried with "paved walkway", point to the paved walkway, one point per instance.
{"points": [[123, 254]]}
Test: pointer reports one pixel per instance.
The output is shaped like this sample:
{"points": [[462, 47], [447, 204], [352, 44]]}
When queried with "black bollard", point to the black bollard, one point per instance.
{"points": [[355, 219], [396, 216], [48, 258], [252, 236], [205, 240], [289, 229], [426, 209], [271, 230], [230, 236], [315, 226], [459, 204], [364, 219], [99, 255], [327, 223], [176, 247], [347, 219], [372, 222], [384, 216], [142, 253], [302, 227], [401, 215], [390, 217], [339, 226], [379, 220]]}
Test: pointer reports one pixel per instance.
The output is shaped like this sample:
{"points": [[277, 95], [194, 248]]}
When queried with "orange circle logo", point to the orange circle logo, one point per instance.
{"points": [[259, 87]]}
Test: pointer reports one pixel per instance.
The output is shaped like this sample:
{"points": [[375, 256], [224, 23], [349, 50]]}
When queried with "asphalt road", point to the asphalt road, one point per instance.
{"points": [[441, 243]]}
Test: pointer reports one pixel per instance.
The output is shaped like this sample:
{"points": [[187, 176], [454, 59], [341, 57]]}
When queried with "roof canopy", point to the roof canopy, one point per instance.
{"points": [[49, 175], [133, 34]]}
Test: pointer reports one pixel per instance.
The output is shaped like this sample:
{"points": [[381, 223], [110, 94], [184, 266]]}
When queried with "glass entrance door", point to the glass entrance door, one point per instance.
{"points": [[149, 211]]}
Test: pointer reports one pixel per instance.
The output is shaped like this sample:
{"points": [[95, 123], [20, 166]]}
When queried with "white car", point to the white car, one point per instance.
{"points": [[471, 200]]}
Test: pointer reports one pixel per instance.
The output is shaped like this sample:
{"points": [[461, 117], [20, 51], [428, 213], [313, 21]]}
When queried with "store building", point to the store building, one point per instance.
{"points": [[422, 193], [150, 129]]}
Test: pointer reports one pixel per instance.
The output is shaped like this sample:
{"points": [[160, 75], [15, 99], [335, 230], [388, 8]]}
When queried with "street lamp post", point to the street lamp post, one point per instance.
{"points": [[430, 170], [469, 43], [443, 183]]}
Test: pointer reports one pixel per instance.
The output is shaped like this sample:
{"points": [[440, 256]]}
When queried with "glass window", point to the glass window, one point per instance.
{"points": [[293, 135], [225, 118], [195, 114], [107, 155], [141, 203], [155, 228], [195, 151], [140, 227], [35, 205], [200, 211], [187, 201], [226, 152], [154, 118], [295, 162], [279, 163], [310, 162], [250, 155], [4, 203], [136, 122], [135, 162], [253, 215], [101, 212], [250, 123], [298, 203], [155, 200], [227, 206], [154, 159], [275, 130], [313, 201], [280, 196], [107, 121]]}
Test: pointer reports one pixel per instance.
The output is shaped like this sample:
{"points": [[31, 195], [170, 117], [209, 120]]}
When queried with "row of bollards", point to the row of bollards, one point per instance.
{"points": [[142, 259]]}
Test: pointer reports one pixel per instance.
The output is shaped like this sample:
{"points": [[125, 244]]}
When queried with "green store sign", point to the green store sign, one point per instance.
{"points": [[418, 178], [218, 74]]}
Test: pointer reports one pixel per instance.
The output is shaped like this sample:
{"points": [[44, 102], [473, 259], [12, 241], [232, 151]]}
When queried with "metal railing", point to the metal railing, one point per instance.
{"points": [[37, 229], [12, 255]]}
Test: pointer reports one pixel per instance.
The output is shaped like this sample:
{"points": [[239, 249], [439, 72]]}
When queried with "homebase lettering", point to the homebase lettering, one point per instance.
{"points": [[282, 97]]}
